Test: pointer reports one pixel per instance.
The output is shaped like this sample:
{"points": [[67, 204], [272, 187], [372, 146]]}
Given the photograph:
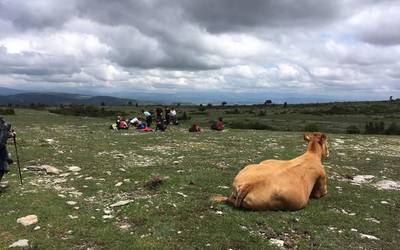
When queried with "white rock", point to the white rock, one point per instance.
{"points": [[20, 243], [180, 193], [107, 216], [36, 228], [46, 168], [74, 169], [384, 202], [28, 220], [373, 220], [121, 203], [370, 237], [118, 184], [388, 185], [73, 217], [360, 179], [71, 203], [277, 242]]}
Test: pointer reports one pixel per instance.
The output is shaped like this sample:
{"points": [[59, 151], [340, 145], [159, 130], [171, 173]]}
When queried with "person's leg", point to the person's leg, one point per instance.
{"points": [[1, 174]]}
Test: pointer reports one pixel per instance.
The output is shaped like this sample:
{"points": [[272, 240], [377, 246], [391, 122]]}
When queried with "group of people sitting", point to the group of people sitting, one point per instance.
{"points": [[162, 122]]}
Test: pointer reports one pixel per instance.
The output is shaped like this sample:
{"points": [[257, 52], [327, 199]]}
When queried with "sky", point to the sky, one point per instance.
{"points": [[345, 49]]}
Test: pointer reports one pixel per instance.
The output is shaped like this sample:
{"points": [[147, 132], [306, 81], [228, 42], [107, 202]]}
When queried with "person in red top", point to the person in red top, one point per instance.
{"points": [[218, 125]]}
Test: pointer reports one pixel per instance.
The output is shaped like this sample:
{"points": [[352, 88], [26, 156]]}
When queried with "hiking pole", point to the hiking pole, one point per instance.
{"points": [[16, 153]]}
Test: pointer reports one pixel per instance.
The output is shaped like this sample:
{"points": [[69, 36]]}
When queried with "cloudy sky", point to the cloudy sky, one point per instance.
{"points": [[345, 49]]}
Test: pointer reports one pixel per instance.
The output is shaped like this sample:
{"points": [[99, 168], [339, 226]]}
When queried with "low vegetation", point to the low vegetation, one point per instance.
{"points": [[131, 190]]}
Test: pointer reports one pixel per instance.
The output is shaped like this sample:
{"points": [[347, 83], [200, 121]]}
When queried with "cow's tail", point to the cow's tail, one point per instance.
{"points": [[236, 198]]}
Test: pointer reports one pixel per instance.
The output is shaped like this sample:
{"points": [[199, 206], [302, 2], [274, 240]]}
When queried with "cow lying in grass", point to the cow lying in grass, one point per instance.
{"points": [[282, 185]]}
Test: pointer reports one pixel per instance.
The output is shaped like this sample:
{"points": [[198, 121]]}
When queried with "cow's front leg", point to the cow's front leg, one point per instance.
{"points": [[320, 187]]}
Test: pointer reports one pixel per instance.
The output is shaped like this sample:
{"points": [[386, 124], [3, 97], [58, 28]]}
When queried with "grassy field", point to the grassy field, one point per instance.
{"points": [[177, 214]]}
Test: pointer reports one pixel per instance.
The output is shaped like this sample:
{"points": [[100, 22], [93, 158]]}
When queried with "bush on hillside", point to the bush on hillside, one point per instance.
{"points": [[352, 129], [311, 127], [393, 129], [82, 110], [7, 111], [250, 125]]}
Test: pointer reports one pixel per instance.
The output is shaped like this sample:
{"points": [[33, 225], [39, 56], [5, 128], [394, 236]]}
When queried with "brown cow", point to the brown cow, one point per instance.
{"points": [[282, 185]]}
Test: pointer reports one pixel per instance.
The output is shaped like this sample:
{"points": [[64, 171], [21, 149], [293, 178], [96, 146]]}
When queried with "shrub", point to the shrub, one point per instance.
{"points": [[233, 112], [7, 111], [311, 127], [352, 129], [184, 117], [250, 125], [82, 110], [375, 127], [393, 129], [262, 113]]}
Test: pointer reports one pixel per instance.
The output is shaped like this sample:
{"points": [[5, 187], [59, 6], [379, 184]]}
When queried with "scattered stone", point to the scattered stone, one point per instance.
{"points": [[370, 237], [121, 203], [74, 169], [384, 202], [388, 185], [71, 203], [277, 242], [360, 179], [354, 230], [45, 168], [373, 220], [36, 228], [124, 226], [28, 220], [182, 194], [108, 216], [118, 184], [20, 243], [107, 211], [73, 217], [219, 212]]}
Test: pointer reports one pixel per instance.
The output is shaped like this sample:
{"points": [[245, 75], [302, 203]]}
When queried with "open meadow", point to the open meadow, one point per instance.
{"points": [[167, 179]]}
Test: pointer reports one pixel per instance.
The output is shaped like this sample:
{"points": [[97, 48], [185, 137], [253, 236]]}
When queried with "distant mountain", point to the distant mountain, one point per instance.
{"points": [[53, 99], [8, 91]]}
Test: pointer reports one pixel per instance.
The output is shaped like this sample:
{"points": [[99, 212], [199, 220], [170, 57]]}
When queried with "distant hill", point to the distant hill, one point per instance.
{"points": [[8, 91], [54, 99]]}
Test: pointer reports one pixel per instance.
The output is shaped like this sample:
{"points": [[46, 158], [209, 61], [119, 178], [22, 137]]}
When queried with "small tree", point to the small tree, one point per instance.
{"points": [[223, 103]]}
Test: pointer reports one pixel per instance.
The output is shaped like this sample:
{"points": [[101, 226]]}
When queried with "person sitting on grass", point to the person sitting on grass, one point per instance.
{"points": [[123, 124], [160, 124], [195, 128], [218, 125], [5, 134]]}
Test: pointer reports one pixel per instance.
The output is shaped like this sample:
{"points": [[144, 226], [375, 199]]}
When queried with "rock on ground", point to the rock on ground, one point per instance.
{"points": [[388, 185], [19, 243], [121, 203], [45, 168], [74, 169], [370, 237], [276, 242], [28, 220]]}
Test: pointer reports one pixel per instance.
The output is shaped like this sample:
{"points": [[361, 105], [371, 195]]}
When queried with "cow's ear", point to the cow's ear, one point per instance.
{"points": [[307, 137]]}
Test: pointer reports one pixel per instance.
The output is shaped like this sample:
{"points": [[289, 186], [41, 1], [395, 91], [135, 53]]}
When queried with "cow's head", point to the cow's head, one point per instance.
{"points": [[320, 139]]}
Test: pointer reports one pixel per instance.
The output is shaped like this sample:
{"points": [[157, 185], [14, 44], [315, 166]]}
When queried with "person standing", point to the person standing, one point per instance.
{"points": [[167, 115], [5, 134], [149, 118], [172, 116]]}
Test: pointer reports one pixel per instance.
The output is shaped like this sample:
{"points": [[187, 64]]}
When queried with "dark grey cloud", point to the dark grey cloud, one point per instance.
{"points": [[231, 45], [237, 15]]}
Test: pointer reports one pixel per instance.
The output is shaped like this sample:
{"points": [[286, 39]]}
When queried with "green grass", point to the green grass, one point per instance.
{"points": [[179, 215]]}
